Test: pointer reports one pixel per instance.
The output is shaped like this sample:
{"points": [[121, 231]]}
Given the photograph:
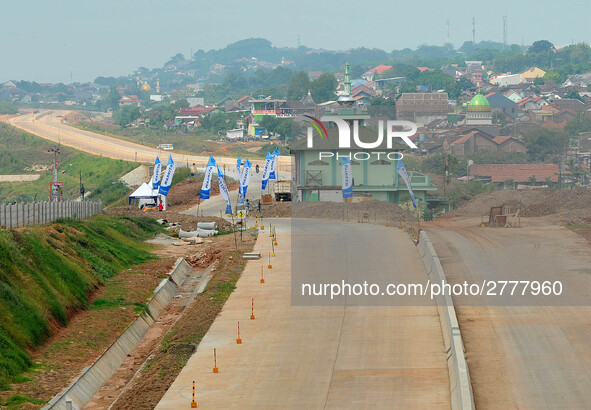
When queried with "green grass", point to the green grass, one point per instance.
{"points": [[15, 401], [20, 150], [578, 225], [47, 272], [6, 107]]}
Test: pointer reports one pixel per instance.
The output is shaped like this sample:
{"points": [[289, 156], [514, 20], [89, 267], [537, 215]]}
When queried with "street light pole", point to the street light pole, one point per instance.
{"points": [[55, 154]]}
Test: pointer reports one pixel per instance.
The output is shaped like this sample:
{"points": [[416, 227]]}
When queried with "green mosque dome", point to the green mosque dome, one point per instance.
{"points": [[479, 103]]}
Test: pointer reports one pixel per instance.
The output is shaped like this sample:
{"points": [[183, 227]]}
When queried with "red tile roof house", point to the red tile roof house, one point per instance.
{"points": [[477, 141], [472, 142], [380, 69], [509, 144], [130, 100], [519, 173]]}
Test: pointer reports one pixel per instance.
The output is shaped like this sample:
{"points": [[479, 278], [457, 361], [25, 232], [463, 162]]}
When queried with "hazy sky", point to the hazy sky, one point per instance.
{"points": [[45, 40]]}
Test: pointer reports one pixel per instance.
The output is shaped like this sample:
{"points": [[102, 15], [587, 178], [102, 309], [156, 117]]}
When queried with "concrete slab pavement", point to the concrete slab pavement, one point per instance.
{"points": [[314, 356], [530, 356]]}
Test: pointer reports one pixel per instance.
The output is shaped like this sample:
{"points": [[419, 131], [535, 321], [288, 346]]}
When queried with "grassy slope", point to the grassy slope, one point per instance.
{"points": [[19, 150], [47, 272]]}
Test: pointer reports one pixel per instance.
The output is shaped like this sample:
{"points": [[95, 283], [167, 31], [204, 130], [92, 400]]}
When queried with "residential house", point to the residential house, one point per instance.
{"points": [[242, 104], [293, 109], [472, 66], [422, 107], [513, 95], [195, 101], [475, 141], [130, 100], [504, 80], [518, 173], [378, 70], [531, 74], [571, 104], [509, 144], [452, 70], [499, 103], [191, 116]]}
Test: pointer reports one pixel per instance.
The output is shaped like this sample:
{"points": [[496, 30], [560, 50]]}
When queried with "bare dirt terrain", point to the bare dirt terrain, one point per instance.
{"points": [[365, 211], [574, 205], [167, 357]]}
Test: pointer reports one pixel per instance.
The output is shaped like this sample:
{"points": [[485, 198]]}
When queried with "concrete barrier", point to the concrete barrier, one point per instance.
{"points": [[459, 376], [81, 390], [180, 271], [40, 213], [19, 178]]}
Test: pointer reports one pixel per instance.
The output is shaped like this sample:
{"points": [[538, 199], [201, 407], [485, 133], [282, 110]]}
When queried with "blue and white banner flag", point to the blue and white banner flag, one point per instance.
{"points": [[224, 192], [244, 178], [206, 186], [274, 172], [401, 169], [167, 178], [267, 170], [347, 177], [156, 174], [238, 174]]}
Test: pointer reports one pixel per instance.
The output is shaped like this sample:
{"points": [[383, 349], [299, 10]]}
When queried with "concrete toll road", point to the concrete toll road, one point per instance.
{"points": [[340, 356], [536, 355]]}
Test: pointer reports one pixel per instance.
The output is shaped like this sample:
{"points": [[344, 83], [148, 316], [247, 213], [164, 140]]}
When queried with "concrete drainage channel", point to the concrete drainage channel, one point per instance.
{"points": [[82, 389], [459, 375]]}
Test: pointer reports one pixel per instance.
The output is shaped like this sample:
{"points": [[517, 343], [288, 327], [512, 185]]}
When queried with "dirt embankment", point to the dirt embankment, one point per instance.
{"points": [[186, 222], [574, 205], [186, 193], [166, 359], [367, 211]]}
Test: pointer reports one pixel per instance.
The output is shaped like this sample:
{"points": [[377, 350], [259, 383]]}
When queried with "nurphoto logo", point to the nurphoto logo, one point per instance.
{"points": [[394, 129]]}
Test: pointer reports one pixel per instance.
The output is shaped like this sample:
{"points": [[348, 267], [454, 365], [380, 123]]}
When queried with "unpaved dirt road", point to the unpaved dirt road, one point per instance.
{"points": [[536, 355], [49, 125]]}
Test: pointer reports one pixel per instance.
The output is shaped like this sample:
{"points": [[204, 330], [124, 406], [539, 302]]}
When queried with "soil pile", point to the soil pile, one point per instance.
{"points": [[186, 193], [574, 205], [365, 211]]}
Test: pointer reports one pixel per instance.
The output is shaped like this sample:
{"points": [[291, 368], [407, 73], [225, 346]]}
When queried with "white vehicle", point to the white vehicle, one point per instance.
{"points": [[165, 147]]}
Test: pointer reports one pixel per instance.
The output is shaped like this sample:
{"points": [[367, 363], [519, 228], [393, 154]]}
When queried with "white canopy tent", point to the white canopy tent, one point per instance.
{"points": [[144, 194]]}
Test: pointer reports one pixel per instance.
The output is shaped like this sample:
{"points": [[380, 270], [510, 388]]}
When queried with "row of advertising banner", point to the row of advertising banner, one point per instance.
{"points": [[243, 171]]}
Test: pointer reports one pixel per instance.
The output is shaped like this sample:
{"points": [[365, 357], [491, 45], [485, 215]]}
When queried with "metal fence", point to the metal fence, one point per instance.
{"points": [[39, 213]]}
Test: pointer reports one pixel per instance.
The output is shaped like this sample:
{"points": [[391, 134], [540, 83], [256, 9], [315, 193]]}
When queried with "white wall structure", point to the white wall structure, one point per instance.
{"points": [[39, 213]]}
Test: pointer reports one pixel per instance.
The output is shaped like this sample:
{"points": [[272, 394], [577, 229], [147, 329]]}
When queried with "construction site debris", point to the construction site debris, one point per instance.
{"points": [[573, 205]]}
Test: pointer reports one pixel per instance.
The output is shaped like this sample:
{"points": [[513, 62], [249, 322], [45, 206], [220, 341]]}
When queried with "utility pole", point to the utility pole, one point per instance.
{"points": [[448, 38], [474, 31], [505, 37], [55, 154]]}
